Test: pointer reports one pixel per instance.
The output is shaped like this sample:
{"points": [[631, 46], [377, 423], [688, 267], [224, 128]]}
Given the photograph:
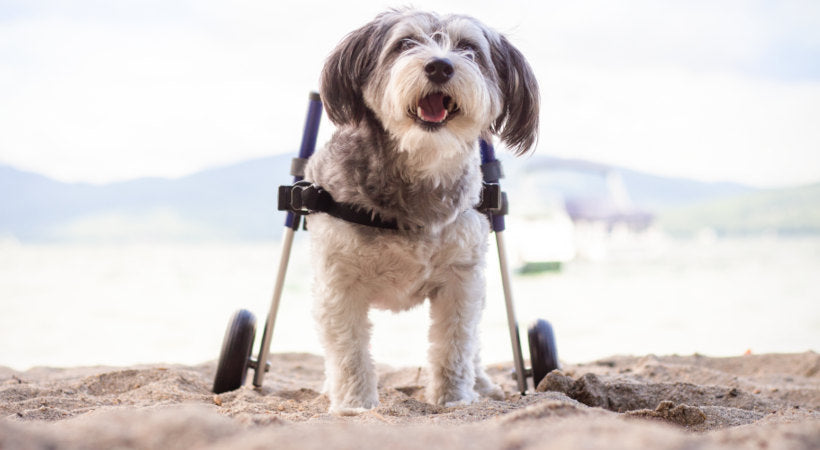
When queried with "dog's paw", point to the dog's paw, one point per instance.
{"points": [[489, 389], [353, 408], [455, 398], [350, 411], [457, 403]]}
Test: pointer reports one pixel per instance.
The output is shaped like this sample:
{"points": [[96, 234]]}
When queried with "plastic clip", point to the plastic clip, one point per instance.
{"points": [[302, 198], [491, 198]]}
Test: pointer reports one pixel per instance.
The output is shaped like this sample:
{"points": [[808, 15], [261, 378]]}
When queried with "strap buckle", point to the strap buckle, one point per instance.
{"points": [[303, 197], [492, 199]]}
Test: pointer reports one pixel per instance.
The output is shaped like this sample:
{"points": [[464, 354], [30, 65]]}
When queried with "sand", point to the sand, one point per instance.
{"points": [[751, 401]]}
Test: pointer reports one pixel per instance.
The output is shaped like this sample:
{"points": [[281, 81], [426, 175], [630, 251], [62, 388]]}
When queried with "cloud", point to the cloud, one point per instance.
{"points": [[705, 125], [100, 91]]}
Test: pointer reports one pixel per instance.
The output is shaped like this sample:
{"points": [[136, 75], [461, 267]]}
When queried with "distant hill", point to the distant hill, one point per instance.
{"points": [[646, 191], [792, 211], [238, 202], [232, 202]]}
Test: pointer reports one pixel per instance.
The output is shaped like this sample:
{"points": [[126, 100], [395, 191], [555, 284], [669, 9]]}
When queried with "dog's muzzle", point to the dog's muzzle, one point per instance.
{"points": [[435, 108]]}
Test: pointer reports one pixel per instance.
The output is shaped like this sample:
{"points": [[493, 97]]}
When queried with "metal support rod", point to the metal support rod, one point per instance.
{"points": [[309, 136], [498, 225], [264, 350], [518, 358]]}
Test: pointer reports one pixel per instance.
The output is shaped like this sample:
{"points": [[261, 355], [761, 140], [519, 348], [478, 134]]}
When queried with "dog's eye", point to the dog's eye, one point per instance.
{"points": [[466, 45], [469, 49], [406, 44]]}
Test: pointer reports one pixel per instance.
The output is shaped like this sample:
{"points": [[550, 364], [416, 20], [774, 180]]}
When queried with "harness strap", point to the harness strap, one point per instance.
{"points": [[305, 198], [492, 171]]}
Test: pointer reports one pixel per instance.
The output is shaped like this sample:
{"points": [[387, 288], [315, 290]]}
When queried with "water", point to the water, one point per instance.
{"points": [[69, 305]]}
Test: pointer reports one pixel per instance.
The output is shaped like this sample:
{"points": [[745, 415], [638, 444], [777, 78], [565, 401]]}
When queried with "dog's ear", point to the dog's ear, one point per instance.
{"points": [[517, 126], [346, 71]]}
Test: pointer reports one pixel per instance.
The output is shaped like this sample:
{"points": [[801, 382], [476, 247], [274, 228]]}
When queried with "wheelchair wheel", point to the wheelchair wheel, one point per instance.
{"points": [[234, 359], [543, 353]]}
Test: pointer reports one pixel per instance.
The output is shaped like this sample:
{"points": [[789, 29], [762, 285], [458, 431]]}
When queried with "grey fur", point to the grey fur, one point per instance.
{"points": [[518, 124], [362, 166], [353, 64], [419, 167]]}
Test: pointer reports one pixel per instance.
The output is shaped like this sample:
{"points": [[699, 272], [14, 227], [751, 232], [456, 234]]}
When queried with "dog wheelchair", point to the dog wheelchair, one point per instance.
{"points": [[236, 357]]}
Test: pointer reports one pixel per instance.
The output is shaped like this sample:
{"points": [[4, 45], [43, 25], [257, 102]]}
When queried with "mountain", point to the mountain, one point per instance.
{"points": [[232, 202], [645, 191], [238, 202], [790, 211]]}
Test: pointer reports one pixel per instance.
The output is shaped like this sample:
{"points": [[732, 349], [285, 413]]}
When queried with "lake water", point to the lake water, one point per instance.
{"points": [[69, 305]]}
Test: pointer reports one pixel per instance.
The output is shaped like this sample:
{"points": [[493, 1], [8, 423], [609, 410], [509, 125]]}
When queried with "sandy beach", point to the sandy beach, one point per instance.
{"points": [[750, 401]]}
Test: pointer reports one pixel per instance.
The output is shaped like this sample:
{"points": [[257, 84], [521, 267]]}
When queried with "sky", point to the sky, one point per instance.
{"points": [[101, 91]]}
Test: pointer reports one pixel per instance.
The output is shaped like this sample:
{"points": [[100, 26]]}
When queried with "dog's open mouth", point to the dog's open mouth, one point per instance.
{"points": [[435, 109]]}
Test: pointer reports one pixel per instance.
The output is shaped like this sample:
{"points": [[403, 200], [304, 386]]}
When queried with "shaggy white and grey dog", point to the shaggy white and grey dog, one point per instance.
{"points": [[411, 93]]}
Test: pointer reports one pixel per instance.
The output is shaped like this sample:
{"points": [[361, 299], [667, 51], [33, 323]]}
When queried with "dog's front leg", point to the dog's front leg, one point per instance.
{"points": [[455, 310], [345, 334]]}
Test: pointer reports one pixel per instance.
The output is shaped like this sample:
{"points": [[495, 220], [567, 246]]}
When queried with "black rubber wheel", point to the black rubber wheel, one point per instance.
{"points": [[236, 352], [543, 353]]}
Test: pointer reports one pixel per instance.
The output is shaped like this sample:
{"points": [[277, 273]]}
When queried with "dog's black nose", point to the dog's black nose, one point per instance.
{"points": [[439, 70]]}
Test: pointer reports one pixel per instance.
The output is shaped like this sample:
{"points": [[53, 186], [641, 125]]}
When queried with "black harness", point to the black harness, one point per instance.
{"points": [[304, 197]]}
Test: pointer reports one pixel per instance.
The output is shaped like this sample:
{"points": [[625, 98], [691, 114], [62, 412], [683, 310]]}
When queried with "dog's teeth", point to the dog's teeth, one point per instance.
{"points": [[419, 112]]}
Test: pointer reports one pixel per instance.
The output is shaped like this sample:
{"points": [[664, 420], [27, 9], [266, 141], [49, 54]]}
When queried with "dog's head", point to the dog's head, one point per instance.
{"points": [[433, 82]]}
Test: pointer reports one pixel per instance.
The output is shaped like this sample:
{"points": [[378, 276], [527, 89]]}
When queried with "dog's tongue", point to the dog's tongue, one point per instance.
{"points": [[431, 108]]}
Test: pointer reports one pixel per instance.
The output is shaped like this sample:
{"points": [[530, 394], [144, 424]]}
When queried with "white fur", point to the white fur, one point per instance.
{"points": [[355, 274], [434, 154], [359, 269]]}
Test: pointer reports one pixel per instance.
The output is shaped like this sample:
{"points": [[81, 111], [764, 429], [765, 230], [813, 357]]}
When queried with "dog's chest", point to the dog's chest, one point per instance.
{"points": [[420, 203], [362, 168], [397, 271]]}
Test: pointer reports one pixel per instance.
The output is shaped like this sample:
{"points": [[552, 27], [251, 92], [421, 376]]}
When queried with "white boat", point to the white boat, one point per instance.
{"points": [[564, 210]]}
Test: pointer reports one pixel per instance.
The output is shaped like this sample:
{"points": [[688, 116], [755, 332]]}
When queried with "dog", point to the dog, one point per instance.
{"points": [[410, 94]]}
